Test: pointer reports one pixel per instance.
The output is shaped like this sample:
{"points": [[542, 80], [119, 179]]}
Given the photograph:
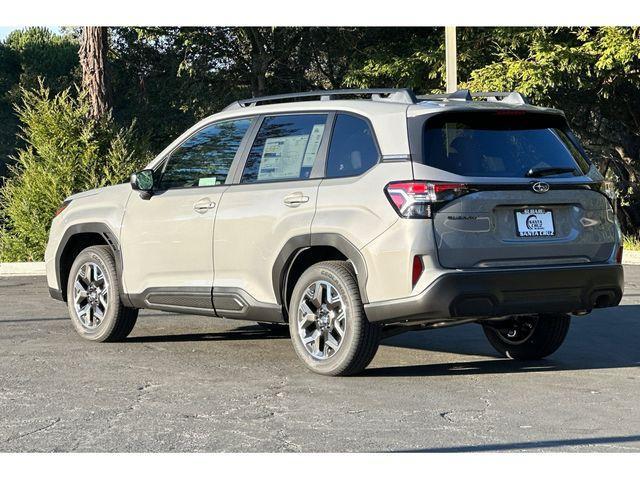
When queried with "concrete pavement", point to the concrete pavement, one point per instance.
{"points": [[186, 383]]}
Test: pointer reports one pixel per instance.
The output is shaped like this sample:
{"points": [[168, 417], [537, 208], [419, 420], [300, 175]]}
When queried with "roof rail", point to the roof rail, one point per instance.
{"points": [[513, 98], [399, 95]]}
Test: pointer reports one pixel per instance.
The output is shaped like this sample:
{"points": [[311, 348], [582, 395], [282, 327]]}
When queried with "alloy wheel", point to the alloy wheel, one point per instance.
{"points": [[322, 320], [90, 295]]}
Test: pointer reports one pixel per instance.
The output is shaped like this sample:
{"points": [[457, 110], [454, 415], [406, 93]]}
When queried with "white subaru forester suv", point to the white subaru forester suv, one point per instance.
{"points": [[351, 215]]}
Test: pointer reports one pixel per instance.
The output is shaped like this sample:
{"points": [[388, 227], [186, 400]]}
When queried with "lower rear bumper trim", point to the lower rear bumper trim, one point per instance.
{"points": [[499, 292]]}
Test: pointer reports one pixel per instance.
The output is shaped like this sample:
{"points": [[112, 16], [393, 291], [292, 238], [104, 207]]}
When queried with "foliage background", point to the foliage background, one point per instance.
{"points": [[164, 79]]}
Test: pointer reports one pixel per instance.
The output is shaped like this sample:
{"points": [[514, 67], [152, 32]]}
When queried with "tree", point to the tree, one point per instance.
{"points": [[64, 153], [593, 74], [26, 56], [168, 77], [260, 58], [95, 74]]}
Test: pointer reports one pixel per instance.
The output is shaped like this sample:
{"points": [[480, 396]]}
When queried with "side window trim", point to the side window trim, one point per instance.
{"points": [[162, 164], [319, 167], [251, 137], [373, 136], [243, 150], [317, 171]]}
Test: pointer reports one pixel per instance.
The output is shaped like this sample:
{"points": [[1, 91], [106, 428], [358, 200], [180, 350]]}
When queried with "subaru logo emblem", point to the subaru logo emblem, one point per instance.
{"points": [[540, 187]]}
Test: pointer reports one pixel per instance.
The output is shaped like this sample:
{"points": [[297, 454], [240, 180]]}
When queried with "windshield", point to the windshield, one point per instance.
{"points": [[501, 144]]}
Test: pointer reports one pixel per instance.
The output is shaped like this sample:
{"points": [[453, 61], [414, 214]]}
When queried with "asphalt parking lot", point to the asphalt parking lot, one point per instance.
{"points": [[185, 383]]}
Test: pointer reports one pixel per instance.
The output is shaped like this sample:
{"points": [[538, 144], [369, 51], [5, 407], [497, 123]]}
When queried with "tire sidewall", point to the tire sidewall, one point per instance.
{"points": [[109, 322], [353, 310]]}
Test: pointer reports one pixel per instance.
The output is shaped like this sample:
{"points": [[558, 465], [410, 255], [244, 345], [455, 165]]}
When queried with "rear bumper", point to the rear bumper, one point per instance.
{"points": [[498, 292]]}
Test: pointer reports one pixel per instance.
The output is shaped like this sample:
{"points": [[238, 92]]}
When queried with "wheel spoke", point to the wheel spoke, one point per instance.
{"points": [[80, 290], [333, 297], [98, 313], [338, 324], [316, 343], [317, 295], [103, 299], [306, 314], [83, 273], [332, 342], [84, 312], [99, 280], [91, 272], [311, 338]]}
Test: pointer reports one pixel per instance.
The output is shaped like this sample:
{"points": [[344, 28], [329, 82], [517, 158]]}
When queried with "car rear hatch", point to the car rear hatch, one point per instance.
{"points": [[516, 190]]}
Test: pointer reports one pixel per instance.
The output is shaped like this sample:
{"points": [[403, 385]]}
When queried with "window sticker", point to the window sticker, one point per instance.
{"points": [[282, 157], [208, 182], [313, 145]]}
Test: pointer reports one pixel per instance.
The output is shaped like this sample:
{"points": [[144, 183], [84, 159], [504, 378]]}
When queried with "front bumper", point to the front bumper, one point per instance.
{"points": [[499, 292]]}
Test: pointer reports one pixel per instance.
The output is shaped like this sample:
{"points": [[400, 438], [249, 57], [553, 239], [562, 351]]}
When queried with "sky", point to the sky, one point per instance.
{"points": [[5, 31]]}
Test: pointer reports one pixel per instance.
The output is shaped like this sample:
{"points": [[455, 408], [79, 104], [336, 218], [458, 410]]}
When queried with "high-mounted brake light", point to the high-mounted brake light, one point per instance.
{"points": [[509, 113], [421, 199]]}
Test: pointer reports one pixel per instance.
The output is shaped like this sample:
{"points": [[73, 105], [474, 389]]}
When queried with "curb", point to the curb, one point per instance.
{"points": [[38, 268], [631, 257], [21, 268]]}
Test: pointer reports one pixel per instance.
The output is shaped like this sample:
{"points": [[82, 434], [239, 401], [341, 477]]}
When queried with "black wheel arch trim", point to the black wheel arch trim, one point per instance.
{"points": [[296, 245], [110, 239]]}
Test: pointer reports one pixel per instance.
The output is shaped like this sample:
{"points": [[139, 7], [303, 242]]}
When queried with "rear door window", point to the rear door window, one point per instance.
{"points": [[285, 148], [500, 144], [353, 149]]}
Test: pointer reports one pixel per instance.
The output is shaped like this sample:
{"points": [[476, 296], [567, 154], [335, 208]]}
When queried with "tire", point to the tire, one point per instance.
{"points": [[358, 343], [116, 321], [275, 328], [549, 331]]}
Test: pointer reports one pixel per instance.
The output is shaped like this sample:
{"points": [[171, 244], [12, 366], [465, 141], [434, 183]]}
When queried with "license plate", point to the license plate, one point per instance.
{"points": [[534, 222]]}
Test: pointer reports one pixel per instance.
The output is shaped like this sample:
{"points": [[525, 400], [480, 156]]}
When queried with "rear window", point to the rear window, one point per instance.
{"points": [[500, 144]]}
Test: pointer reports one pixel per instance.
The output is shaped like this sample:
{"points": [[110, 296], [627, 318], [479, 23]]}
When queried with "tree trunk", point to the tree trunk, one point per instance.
{"points": [[95, 78], [260, 60]]}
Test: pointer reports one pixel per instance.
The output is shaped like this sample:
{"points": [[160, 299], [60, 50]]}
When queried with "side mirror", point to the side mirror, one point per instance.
{"points": [[143, 182]]}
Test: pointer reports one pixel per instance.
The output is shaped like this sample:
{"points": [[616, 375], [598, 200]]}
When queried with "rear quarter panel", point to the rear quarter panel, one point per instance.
{"points": [[357, 209]]}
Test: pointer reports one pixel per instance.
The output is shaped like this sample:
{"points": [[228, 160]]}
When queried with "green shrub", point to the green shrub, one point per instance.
{"points": [[631, 243], [65, 152]]}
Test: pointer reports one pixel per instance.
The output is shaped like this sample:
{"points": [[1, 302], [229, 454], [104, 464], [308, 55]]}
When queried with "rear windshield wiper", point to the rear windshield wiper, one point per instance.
{"points": [[543, 172]]}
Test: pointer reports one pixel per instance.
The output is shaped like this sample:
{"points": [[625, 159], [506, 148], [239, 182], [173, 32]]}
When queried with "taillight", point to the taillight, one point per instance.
{"points": [[619, 254], [422, 199], [608, 188], [62, 206]]}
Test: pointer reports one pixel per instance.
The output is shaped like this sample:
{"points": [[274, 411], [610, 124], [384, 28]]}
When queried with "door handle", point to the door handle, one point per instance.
{"points": [[203, 205], [295, 199]]}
